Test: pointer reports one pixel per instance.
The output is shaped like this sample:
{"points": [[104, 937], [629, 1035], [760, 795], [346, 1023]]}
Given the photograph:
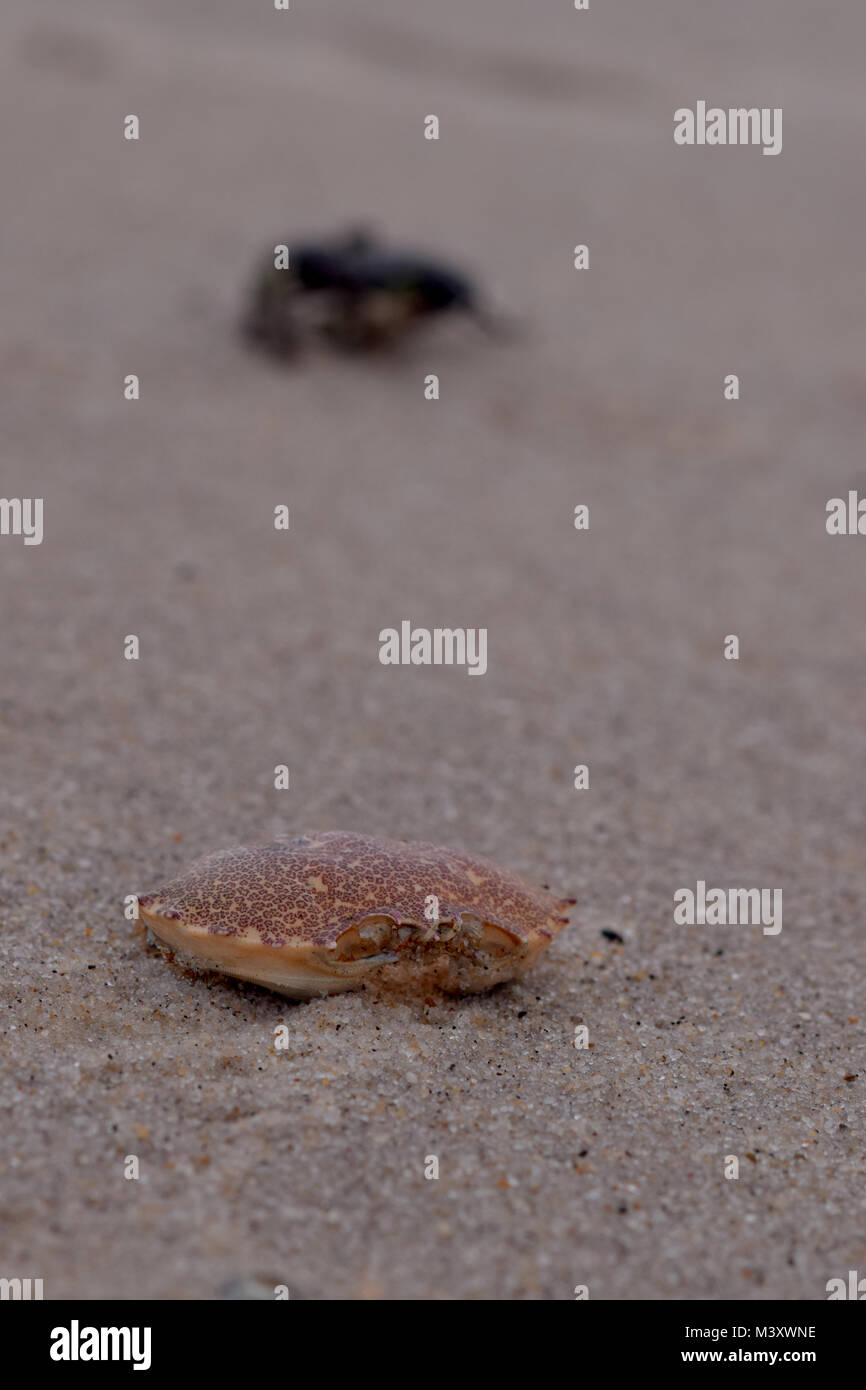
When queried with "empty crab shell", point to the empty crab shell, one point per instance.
{"points": [[320, 913]]}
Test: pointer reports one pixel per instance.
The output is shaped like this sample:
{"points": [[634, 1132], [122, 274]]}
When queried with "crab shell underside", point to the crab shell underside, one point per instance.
{"points": [[324, 912]]}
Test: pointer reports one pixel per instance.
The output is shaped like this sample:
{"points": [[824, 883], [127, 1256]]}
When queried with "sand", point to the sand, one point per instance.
{"points": [[558, 1166]]}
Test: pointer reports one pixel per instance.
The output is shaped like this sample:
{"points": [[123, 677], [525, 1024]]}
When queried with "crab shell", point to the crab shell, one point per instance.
{"points": [[320, 913]]}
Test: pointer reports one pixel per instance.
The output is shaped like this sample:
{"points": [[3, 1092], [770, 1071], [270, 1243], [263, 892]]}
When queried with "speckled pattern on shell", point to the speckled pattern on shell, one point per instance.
{"points": [[313, 887]]}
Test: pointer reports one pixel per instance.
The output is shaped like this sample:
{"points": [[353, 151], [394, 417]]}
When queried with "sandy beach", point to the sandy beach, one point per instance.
{"points": [[558, 1166]]}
